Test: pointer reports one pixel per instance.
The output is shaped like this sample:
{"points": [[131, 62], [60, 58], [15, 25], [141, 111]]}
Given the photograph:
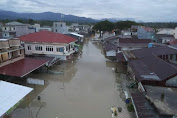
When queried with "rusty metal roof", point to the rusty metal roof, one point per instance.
{"points": [[22, 67]]}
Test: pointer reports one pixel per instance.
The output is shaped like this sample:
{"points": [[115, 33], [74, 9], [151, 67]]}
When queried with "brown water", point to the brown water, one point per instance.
{"points": [[86, 90]]}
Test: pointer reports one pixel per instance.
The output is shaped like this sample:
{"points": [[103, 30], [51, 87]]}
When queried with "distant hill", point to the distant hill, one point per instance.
{"points": [[44, 16]]}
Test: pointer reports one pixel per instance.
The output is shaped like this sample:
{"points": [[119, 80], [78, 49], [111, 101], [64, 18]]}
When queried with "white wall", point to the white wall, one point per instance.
{"points": [[53, 53], [111, 53], [172, 82], [175, 33]]}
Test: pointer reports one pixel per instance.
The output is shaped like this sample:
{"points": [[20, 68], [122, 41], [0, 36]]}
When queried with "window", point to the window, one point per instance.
{"points": [[14, 28], [49, 48], [56, 30], [61, 25], [38, 48], [5, 34], [29, 47], [60, 49], [5, 28]]}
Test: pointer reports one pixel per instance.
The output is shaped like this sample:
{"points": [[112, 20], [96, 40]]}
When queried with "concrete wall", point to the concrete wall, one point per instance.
{"points": [[60, 27], [111, 53], [172, 82], [175, 33], [23, 30], [167, 31]]}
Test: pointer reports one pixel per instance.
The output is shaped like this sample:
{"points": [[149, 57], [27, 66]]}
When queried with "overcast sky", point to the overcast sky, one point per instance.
{"points": [[140, 10]]}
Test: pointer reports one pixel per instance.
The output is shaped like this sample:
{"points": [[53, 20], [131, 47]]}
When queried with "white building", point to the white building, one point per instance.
{"points": [[16, 29], [45, 43], [167, 31], [175, 33], [60, 27]]}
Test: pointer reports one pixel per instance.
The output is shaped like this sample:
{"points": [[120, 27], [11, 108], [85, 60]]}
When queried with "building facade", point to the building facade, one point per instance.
{"points": [[145, 33], [10, 51], [45, 43], [16, 29], [60, 27]]}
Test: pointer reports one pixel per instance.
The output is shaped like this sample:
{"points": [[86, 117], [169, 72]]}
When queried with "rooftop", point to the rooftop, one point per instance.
{"points": [[169, 105], [142, 107], [109, 46], [14, 23], [47, 37], [22, 67], [11, 94], [153, 67]]}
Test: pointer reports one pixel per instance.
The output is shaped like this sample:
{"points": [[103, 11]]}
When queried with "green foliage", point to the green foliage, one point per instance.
{"points": [[125, 24], [130, 108], [104, 26], [108, 26]]}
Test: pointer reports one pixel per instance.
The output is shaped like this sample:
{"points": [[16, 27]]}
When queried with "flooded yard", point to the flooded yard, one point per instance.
{"points": [[86, 89]]}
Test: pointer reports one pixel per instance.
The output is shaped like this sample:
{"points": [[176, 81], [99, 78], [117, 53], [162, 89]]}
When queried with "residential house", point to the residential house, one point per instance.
{"points": [[10, 51], [13, 62], [143, 108], [164, 38], [16, 29], [126, 33], [44, 28], [60, 27], [167, 31], [154, 66], [134, 29], [110, 49], [46, 43], [145, 33], [132, 43]]}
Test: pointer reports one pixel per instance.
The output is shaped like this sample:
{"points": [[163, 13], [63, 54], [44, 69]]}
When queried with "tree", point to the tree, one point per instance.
{"points": [[104, 26], [124, 24], [31, 21]]}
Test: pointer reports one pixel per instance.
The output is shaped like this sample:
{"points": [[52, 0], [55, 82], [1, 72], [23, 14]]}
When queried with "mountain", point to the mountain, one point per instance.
{"points": [[44, 16]]}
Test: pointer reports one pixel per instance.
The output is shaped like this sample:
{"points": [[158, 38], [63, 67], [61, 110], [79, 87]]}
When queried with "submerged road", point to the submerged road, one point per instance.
{"points": [[86, 90]]}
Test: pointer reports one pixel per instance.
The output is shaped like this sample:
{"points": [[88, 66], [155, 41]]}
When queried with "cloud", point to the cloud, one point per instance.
{"points": [[145, 10]]}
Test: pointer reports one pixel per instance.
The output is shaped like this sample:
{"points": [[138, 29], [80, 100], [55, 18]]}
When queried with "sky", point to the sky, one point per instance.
{"points": [[139, 10]]}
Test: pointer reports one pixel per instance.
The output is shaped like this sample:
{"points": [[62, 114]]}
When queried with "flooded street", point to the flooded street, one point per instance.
{"points": [[86, 89]]}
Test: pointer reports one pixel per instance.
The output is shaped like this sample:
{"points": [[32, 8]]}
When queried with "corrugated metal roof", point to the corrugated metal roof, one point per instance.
{"points": [[22, 67], [10, 94], [47, 37]]}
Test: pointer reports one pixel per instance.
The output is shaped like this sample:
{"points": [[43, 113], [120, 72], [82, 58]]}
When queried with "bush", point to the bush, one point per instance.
{"points": [[130, 108]]}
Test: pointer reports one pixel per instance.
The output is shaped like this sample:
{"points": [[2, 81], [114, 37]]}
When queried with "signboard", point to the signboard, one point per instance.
{"points": [[35, 81]]}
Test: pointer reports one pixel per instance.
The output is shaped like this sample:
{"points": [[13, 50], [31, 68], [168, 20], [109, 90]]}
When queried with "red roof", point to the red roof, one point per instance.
{"points": [[22, 67], [173, 42], [47, 37]]}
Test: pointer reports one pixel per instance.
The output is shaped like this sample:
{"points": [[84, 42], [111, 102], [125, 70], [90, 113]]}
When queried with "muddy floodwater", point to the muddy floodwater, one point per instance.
{"points": [[86, 89]]}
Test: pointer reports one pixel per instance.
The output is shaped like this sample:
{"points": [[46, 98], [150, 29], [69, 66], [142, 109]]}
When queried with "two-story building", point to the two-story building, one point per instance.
{"points": [[10, 51], [46, 43], [16, 29], [60, 27]]}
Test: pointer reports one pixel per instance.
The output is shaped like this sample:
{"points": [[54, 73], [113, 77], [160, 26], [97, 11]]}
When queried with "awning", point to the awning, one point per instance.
{"points": [[22, 67], [10, 96]]}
